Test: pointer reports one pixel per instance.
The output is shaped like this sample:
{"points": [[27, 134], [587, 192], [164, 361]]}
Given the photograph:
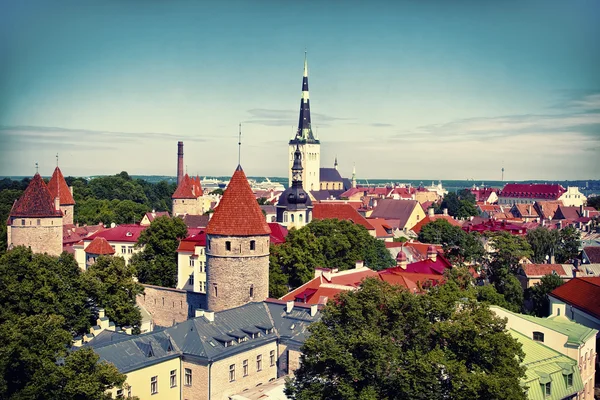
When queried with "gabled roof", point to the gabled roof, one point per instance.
{"points": [[582, 293], [343, 212], [564, 212], [429, 266], [537, 270], [532, 191], [329, 175], [36, 201], [196, 221], [547, 209], [390, 209], [194, 239], [73, 234], [524, 210], [430, 218], [58, 188], [238, 213], [153, 215], [278, 232], [414, 282], [593, 254], [382, 228], [99, 246], [483, 194], [189, 188]]}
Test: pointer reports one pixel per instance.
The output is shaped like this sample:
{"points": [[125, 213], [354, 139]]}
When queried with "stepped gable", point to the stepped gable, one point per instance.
{"points": [[238, 212], [58, 188], [99, 246], [185, 189], [36, 201]]}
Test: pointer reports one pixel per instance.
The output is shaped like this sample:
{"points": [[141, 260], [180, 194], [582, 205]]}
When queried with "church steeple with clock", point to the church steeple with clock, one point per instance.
{"points": [[294, 208], [305, 141]]}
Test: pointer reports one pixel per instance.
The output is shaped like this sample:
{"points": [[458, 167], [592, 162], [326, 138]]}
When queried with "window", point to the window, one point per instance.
{"points": [[191, 280], [285, 217], [123, 249], [538, 336], [300, 218], [188, 377], [569, 380], [39, 221], [22, 222], [251, 290], [259, 362], [154, 385], [228, 245], [216, 291], [547, 389], [191, 262], [232, 373], [130, 249], [253, 245], [272, 357], [119, 393], [291, 217], [204, 287], [245, 367], [173, 379]]}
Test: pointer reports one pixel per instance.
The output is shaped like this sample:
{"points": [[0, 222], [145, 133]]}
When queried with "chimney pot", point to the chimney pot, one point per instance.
{"points": [[360, 264], [199, 313], [209, 315]]}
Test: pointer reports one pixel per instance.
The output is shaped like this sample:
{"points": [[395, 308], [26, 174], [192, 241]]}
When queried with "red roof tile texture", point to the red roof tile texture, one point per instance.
{"points": [[343, 212], [593, 254], [189, 188], [58, 188], [99, 246], [36, 201], [121, 233], [238, 212], [582, 293], [542, 269], [532, 191], [417, 228]]}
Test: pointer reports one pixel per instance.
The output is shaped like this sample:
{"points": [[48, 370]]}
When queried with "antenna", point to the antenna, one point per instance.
{"points": [[57, 159], [240, 145], [36, 167]]}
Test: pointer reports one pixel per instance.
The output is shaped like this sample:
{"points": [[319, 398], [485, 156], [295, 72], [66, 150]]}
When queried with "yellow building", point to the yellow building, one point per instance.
{"points": [[191, 263]]}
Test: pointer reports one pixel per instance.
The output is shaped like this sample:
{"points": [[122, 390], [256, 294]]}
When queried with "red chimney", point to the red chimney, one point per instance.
{"points": [[179, 162]]}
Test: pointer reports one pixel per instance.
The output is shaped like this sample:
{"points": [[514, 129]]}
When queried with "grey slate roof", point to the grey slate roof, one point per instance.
{"points": [[329, 175], [320, 195], [196, 221], [291, 328]]}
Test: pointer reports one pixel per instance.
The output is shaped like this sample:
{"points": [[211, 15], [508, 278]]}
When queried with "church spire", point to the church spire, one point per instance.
{"points": [[304, 132]]}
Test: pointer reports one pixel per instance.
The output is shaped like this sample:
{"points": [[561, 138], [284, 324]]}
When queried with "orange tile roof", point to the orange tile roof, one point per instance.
{"points": [[189, 188], [381, 227], [238, 212], [36, 201], [582, 293], [417, 228], [343, 212], [99, 246], [542, 269], [410, 280], [58, 188]]}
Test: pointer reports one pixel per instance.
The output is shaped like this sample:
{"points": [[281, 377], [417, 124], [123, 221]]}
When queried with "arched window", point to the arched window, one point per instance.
{"points": [[291, 217], [300, 218], [285, 217]]}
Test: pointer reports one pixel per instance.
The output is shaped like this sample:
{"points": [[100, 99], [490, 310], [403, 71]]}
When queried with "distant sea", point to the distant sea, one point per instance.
{"points": [[585, 186]]}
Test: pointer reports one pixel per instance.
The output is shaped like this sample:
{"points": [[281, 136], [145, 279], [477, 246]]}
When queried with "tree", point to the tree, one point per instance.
{"points": [[383, 342], [111, 286], [263, 201], [539, 294], [156, 264], [459, 246], [569, 242], [217, 191], [508, 251], [328, 243], [7, 199], [461, 204], [594, 201], [543, 242]]}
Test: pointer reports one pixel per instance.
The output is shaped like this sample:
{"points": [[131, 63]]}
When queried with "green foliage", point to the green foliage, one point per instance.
{"points": [[157, 263], [263, 201], [400, 239], [460, 205], [569, 242], [217, 191], [8, 196], [543, 242], [323, 243], [594, 201], [508, 251], [459, 246], [383, 342], [539, 294], [112, 287]]}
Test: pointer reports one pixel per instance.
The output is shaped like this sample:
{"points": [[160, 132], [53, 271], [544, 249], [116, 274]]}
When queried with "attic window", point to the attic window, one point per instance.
{"points": [[129, 234]]}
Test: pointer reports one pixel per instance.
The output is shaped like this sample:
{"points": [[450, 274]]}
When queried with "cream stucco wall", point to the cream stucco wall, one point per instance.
{"points": [[573, 197], [185, 269], [423, 197], [139, 381], [417, 215], [311, 162]]}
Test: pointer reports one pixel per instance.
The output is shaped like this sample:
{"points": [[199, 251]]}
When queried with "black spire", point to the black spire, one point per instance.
{"points": [[304, 133]]}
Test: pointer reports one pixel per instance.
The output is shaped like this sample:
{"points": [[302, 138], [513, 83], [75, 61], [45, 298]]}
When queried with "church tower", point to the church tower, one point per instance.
{"points": [[237, 248], [294, 208], [305, 141]]}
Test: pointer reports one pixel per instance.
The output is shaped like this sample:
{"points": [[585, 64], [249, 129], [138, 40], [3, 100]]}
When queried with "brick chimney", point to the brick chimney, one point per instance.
{"points": [[179, 162], [432, 253], [401, 260]]}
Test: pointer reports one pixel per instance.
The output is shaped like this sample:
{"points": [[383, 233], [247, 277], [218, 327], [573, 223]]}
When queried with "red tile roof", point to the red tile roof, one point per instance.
{"points": [[382, 228], [189, 188], [238, 213], [122, 233], [58, 188], [542, 269], [547, 209], [73, 234], [410, 280], [582, 293], [429, 266], [196, 238], [483, 194], [99, 246], [417, 228], [567, 213], [36, 201], [533, 191], [343, 212], [278, 232]]}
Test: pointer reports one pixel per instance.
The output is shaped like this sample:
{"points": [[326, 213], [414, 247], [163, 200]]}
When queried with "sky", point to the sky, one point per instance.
{"points": [[401, 89]]}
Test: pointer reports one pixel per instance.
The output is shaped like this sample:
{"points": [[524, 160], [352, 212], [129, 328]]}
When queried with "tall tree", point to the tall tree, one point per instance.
{"points": [[543, 242], [383, 342], [459, 246], [156, 264], [569, 242], [460, 205]]}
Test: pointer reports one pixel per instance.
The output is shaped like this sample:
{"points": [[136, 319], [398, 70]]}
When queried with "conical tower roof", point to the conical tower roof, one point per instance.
{"points": [[99, 246], [36, 201], [185, 189], [238, 212], [58, 188]]}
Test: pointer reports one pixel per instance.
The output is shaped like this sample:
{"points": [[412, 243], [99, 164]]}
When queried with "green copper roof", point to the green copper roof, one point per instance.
{"points": [[545, 365], [578, 334]]}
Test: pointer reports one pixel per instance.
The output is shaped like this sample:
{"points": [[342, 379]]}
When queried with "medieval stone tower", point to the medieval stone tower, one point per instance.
{"points": [[58, 188], [36, 220], [305, 141], [237, 248]]}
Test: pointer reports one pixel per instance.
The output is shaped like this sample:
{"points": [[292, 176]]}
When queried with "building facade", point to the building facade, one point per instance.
{"points": [[294, 208]]}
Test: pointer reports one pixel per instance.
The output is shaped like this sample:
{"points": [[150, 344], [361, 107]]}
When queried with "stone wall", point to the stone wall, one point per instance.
{"points": [[67, 214], [43, 235], [237, 276], [187, 206], [169, 306], [198, 390]]}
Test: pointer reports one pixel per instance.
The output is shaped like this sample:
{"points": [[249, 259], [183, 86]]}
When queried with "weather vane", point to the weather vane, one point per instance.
{"points": [[36, 168]]}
